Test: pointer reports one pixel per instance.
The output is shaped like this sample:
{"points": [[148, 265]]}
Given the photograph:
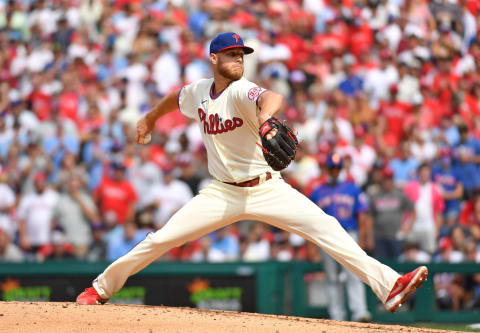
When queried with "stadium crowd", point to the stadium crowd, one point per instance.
{"points": [[393, 86]]}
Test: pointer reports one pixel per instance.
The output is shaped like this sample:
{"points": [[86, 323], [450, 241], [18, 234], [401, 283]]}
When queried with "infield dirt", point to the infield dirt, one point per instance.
{"points": [[38, 317]]}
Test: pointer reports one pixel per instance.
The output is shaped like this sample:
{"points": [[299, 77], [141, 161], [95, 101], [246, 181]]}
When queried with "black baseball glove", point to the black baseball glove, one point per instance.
{"points": [[280, 150]]}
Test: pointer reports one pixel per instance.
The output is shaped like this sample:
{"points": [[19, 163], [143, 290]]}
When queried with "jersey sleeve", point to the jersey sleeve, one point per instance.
{"points": [[246, 95], [186, 100]]}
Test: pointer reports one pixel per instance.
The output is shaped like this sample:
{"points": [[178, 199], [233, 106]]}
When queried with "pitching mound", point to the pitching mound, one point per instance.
{"points": [[70, 317]]}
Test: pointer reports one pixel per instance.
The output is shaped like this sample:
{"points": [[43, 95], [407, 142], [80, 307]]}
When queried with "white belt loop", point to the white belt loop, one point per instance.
{"points": [[262, 178]]}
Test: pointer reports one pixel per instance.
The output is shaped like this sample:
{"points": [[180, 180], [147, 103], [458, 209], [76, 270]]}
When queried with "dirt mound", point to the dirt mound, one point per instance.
{"points": [[39, 317]]}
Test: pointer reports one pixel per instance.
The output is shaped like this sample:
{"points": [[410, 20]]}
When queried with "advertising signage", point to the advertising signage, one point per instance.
{"points": [[220, 292]]}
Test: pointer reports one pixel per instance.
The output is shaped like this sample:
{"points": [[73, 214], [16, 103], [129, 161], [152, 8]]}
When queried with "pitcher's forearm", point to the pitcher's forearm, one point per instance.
{"points": [[166, 105], [269, 103]]}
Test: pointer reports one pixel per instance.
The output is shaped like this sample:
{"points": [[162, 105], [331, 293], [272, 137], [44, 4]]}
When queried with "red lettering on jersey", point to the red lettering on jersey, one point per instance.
{"points": [[213, 125]]}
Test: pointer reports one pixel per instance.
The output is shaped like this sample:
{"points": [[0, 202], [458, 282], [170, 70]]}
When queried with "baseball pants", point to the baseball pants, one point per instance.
{"points": [[274, 202]]}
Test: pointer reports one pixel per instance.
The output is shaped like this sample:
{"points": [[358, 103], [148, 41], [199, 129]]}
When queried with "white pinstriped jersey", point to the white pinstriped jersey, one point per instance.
{"points": [[229, 126]]}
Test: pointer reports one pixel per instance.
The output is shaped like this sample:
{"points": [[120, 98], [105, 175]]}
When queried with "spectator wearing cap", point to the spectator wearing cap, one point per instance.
{"points": [[429, 206], [74, 213], [35, 212], [116, 194], [345, 201], [447, 178], [168, 196], [9, 252], [388, 209], [466, 161]]}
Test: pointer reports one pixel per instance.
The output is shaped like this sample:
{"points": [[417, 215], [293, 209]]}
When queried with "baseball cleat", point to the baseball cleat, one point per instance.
{"points": [[404, 286], [90, 297]]}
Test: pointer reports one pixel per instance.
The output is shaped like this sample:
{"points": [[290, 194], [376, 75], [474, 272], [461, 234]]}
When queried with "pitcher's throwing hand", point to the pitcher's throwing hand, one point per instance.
{"points": [[144, 131]]}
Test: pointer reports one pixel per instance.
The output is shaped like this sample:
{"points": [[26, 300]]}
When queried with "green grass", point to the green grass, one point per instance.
{"points": [[450, 327]]}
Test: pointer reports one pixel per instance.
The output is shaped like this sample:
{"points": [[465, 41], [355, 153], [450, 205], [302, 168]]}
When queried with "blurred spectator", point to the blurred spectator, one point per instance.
{"points": [[388, 208], [144, 174], [7, 204], [70, 168], [224, 246], [449, 286], [8, 251], [35, 213], [169, 196], [352, 82], [282, 250], [123, 241], [466, 159], [74, 212], [363, 156], [405, 166], [95, 154], [348, 204], [429, 205], [98, 248], [57, 249], [472, 281], [392, 116], [116, 194], [413, 253], [447, 178], [257, 248]]}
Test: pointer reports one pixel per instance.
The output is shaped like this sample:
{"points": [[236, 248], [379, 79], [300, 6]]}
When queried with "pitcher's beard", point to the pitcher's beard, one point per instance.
{"points": [[231, 75]]}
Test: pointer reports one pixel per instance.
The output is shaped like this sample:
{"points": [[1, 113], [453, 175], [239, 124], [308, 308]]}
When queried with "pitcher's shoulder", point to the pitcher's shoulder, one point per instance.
{"points": [[201, 84]]}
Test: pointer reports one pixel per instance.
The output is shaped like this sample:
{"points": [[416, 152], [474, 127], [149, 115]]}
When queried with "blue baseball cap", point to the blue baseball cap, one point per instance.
{"points": [[228, 40], [334, 161]]}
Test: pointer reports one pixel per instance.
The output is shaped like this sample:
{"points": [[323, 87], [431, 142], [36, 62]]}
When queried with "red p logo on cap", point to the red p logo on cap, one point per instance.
{"points": [[237, 37]]}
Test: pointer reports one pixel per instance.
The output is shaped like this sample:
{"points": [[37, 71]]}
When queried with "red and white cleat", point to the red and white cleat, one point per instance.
{"points": [[90, 297], [404, 286]]}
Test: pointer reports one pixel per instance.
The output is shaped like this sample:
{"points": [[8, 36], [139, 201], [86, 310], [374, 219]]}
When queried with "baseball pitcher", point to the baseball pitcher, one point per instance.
{"points": [[246, 148]]}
